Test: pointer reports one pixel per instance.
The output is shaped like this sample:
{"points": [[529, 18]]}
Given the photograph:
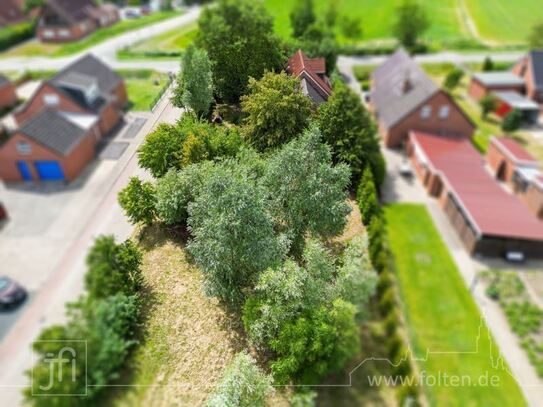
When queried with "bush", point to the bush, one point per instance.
{"points": [[453, 78], [487, 104], [12, 35], [138, 201], [488, 64], [113, 268], [242, 385], [384, 282], [512, 121], [366, 196], [388, 301], [161, 150]]}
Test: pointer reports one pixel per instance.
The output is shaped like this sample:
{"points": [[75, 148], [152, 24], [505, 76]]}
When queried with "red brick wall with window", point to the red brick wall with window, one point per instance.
{"points": [[455, 122], [37, 103]]}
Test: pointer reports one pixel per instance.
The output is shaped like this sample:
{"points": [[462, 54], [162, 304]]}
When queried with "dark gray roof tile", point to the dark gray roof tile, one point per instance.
{"points": [[53, 131]]}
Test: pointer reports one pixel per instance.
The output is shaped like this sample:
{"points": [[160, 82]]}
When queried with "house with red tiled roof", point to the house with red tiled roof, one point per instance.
{"points": [[71, 20], [312, 74], [530, 69], [513, 165], [489, 220]]}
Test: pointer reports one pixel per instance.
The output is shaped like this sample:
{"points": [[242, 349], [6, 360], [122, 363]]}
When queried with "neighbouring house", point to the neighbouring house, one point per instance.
{"points": [[59, 127], [484, 83], [530, 69], [489, 220], [87, 86], [506, 101], [513, 165], [51, 146], [404, 98], [312, 74], [12, 12], [8, 94], [71, 20]]}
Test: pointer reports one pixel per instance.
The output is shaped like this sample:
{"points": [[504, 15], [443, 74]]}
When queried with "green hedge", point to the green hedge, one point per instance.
{"points": [[12, 35]]}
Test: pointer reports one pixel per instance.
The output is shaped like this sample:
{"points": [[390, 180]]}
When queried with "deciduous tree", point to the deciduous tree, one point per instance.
{"points": [[238, 37], [306, 192], [138, 201], [161, 150], [411, 23], [194, 88], [302, 17], [276, 110]]}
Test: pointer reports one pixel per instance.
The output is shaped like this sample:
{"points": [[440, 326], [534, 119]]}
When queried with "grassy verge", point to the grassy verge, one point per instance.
{"points": [[143, 86], [442, 316], [58, 50], [169, 45]]}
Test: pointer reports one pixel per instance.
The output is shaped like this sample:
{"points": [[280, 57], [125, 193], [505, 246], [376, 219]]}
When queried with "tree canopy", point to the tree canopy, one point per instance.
{"points": [[238, 37], [302, 17], [535, 39], [276, 110], [194, 89], [411, 23]]}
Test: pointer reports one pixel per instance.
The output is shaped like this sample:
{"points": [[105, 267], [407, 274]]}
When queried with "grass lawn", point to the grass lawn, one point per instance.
{"points": [[35, 48], [143, 86], [505, 21], [167, 45], [442, 316]]}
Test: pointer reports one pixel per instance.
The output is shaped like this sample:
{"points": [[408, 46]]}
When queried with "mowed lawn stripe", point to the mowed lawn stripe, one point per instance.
{"points": [[442, 316], [505, 20]]}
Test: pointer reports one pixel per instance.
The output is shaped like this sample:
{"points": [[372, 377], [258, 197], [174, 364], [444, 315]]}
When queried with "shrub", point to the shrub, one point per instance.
{"points": [[391, 323], [512, 121], [113, 268], [385, 281], [243, 384], [161, 150], [388, 301], [453, 78], [367, 198], [487, 104], [138, 201], [12, 35], [488, 64]]}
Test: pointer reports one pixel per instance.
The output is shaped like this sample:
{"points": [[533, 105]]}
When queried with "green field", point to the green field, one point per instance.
{"points": [[505, 21], [442, 317], [142, 87]]}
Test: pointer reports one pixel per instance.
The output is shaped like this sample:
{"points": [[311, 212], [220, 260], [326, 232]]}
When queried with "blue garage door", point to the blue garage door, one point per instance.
{"points": [[24, 170], [49, 170]]}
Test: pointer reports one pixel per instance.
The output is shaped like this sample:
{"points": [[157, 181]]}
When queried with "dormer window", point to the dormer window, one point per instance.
{"points": [[91, 93]]}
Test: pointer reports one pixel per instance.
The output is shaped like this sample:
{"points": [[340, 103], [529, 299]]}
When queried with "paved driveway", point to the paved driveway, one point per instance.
{"points": [[45, 218]]}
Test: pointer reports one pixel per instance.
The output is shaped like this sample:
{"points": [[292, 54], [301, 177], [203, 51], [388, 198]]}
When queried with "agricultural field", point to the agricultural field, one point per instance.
{"points": [[504, 21], [435, 298]]}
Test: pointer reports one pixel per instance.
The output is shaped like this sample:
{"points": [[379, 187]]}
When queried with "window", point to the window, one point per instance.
{"points": [[444, 111], [50, 99], [426, 111], [48, 34], [23, 147], [64, 33]]}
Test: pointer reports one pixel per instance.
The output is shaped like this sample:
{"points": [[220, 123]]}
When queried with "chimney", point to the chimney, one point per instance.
{"points": [[406, 85]]}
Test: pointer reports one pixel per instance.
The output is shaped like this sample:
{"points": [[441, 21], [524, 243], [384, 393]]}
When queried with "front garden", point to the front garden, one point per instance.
{"points": [[446, 329]]}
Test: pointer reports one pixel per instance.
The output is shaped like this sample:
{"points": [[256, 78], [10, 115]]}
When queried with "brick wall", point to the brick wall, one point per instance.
{"points": [[455, 123], [60, 34], [8, 95], [71, 164], [477, 90], [37, 103]]}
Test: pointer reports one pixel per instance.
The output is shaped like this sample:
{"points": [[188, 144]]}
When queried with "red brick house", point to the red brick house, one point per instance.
{"points": [[312, 74], [61, 124], [516, 167], [404, 98], [71, 20], [8, 95], [488, 220], [484, 83], [50, 146], [12, 12], [530, 69], [86, 86]]}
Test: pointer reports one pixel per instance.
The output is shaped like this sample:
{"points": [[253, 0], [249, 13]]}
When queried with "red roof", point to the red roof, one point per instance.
{"points": [[491, 210], [510, 147], [299, 64]]}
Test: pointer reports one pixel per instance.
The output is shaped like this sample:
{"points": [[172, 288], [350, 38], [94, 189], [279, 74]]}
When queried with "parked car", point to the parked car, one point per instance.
{"points": [[11, 293], [405, 169]]}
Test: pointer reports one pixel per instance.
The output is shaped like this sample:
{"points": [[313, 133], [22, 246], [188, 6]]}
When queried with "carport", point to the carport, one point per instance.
{"points": [[509, 100]]}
